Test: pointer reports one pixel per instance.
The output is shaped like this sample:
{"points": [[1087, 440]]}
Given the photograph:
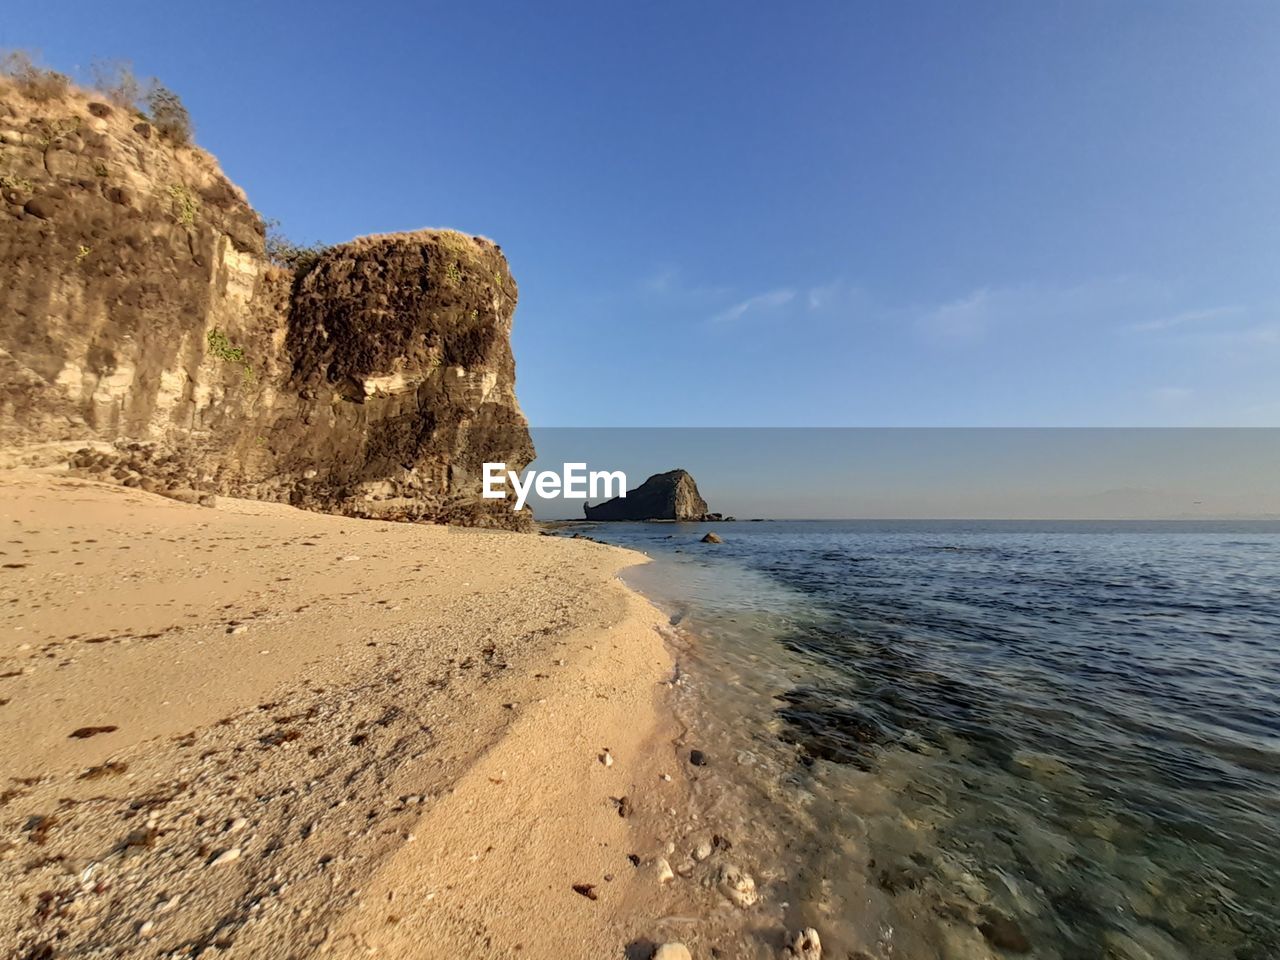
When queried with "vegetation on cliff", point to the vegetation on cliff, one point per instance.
{"points": [[151, 101]]}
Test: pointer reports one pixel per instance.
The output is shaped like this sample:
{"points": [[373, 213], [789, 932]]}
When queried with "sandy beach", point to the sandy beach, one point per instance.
{"points": [[280, 733]]}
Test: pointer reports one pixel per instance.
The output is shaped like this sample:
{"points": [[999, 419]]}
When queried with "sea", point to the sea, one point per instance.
{"points": [[978, 738]]}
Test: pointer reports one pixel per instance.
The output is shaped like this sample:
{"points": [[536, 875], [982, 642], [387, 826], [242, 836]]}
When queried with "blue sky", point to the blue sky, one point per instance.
{"points": [[831, 213]]}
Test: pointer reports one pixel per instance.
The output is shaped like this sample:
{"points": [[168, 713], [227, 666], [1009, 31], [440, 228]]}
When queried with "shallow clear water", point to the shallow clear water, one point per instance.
{"points": [[1063, 736]]}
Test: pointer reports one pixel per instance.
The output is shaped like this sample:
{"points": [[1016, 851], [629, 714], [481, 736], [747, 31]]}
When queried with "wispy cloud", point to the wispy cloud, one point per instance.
{"points": [[1170, 396], [1235, 328], [1250, 335], [662, 280], [823, 296], [983, 311], [760, 303], [966, 318], [1187, 318], [669, 282]]}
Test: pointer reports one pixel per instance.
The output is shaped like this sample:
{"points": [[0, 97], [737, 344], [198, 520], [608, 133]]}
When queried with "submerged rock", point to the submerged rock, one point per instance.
{"points": [[826, 727], [1003, 931]]}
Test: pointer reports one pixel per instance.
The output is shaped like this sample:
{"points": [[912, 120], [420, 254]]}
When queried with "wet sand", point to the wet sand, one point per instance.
{"points": [[256, 731]]}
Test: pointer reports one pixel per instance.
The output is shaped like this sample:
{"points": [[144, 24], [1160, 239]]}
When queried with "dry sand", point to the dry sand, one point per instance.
{"points": [[254, 731]]}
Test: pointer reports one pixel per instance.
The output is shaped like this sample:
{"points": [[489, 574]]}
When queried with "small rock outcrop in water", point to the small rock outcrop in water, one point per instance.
{"points": [[143, 327], [664, 496], [711, 538]]}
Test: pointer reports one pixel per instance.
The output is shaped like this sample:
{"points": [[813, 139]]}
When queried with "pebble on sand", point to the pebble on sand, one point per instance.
{"points": [[663, 870], [672, 951], [737, 885], [226, 856]]}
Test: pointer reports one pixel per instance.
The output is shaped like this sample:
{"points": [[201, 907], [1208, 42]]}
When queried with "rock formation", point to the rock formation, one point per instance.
{"points": [[145, 335], [664, 496]]}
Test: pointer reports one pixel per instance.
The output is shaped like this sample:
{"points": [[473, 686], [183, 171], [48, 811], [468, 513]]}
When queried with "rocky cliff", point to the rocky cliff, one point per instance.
{"points": [[664, 496], [145, 336]]}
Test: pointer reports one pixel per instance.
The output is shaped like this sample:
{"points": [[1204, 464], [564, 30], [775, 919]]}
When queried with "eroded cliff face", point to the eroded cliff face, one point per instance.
{"points": [[141, 319]]}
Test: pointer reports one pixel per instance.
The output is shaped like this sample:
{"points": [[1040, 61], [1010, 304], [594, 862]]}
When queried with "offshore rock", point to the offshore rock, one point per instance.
{"points": [[664, 496], [144, 331]]}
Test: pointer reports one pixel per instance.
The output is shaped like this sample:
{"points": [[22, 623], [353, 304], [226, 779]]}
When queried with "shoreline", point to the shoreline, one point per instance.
{"points": [[328, 734]]}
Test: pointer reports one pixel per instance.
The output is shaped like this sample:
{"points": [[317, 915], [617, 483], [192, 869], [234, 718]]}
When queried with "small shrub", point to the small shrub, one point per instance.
{"points": [[115, 80], [57, 129], [185, 204], [463, 247], [461, 254], [222, 348], [283, 252], [9, 181], [168, 114], [83, 252], [33, 81]]}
